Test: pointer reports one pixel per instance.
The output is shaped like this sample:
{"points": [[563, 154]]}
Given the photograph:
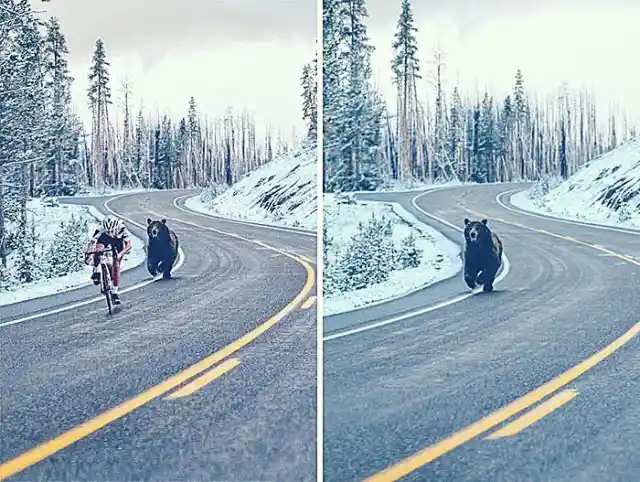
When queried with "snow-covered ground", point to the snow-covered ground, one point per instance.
{"points": [[47, 222], [282, 192], [604, 191], [440, 258]]}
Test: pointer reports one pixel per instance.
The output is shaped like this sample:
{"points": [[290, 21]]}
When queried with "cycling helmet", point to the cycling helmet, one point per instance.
{"points": [[112, 224]]}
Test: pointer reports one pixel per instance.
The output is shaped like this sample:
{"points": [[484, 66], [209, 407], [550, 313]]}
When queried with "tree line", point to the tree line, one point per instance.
{"points": [[458, 137]]}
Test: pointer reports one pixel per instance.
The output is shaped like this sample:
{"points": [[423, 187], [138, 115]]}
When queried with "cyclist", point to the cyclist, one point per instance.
{"points": [[112, 233]]}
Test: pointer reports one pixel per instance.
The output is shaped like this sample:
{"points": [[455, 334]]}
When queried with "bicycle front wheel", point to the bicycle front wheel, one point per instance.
{"points": [[106, 286]]}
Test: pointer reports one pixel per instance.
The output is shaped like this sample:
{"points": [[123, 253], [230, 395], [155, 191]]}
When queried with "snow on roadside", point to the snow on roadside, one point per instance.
{"points": [[605, 191], [440, 257], [47, 222], [109, 191], [414, 186], [282, 192]]}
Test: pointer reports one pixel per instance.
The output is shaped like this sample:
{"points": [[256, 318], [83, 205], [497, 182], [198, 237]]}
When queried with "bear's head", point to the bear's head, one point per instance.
{"points": [[476, 232], [157, 230]]}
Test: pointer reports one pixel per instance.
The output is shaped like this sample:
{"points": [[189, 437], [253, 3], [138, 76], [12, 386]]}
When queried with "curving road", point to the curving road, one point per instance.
{"points": [[420, 396], [208, 376]]}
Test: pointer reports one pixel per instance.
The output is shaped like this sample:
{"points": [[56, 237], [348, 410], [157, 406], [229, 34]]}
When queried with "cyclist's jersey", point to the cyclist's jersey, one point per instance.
{"points": [[102, 237]]}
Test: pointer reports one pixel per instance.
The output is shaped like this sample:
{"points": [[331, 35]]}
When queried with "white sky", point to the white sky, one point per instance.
{"points": [[590, 45], [226, 53]]}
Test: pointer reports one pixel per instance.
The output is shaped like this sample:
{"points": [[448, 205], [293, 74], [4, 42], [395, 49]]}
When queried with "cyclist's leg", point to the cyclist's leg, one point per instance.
{"points": [[115, 272], [95, 258]]}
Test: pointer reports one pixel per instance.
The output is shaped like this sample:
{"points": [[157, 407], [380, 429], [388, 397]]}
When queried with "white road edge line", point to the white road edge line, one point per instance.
{"points": [[287, 229], [506, 267], [181, 259], [603, 227]]}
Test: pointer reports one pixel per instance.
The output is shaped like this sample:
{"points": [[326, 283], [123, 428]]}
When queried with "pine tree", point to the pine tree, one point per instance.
{"points": [[360, 110], [455, 135], [333, 72], [22, 119], [521, 121], [99, 95], [405, 68], [193, 129], [61, 143], [440, 166], [309, 86], [486, 140]]}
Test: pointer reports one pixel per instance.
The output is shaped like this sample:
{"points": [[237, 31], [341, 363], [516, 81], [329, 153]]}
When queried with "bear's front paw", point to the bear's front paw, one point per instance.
{"points": [[470, 280]]}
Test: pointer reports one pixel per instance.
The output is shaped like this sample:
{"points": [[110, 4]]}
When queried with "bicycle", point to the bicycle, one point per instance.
{"points": [[106, 282]]}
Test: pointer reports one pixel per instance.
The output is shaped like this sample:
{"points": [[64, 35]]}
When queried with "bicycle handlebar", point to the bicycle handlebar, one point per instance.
{"points": [[101, 251]]}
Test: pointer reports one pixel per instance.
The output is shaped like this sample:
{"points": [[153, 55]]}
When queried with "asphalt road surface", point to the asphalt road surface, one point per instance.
{"points": [[117, 395], [432, 386]]}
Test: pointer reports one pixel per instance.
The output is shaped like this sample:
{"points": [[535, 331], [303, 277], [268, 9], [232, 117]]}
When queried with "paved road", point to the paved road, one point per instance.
{"points": [[257, 421], [395, 390]]}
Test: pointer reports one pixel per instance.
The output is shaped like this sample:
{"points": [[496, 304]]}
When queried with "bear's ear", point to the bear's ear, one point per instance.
{"points": [[164, 221], [484, 221], [148, 221], [466, 221]]}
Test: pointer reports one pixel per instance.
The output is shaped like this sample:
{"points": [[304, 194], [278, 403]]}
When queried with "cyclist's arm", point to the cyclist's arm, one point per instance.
{"points": [[92, 242], [127, 246]]}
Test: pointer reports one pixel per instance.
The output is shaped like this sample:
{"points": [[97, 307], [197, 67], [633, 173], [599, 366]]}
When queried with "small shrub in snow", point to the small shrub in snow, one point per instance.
{"points": [[64, 255], [7, 278], [27, 268], [544, 187], [50, 202], [624, 213], [326, 241], [367, 258], [211, 192], [409, 255], [346, 198]]}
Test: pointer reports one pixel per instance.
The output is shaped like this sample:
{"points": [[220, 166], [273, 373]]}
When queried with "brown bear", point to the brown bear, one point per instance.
{"points": [[482, 254], [162, 248]]}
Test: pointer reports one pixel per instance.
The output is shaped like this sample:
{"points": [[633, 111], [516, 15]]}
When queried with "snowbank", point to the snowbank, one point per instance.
{"points": [[47, 222], [395, 185], [605, 191], [282, 192], [110, 191], [440, 258], [415, 186]]}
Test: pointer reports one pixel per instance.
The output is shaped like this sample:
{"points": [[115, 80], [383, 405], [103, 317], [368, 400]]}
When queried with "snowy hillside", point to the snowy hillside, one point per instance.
{"points": [[605, 190], [393, 255], [49, 259], [281, 192]]}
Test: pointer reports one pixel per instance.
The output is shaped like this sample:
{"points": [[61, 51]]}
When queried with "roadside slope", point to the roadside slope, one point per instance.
{"points": [[605, 190], [282, 192]]}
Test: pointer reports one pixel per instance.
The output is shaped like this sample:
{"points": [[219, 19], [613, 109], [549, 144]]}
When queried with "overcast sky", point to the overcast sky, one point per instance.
{"points": [[582, 42], [223, 52]]}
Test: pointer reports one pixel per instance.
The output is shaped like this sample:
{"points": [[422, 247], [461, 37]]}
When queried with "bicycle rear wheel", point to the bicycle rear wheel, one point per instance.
{"points": [[106, 286]]}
